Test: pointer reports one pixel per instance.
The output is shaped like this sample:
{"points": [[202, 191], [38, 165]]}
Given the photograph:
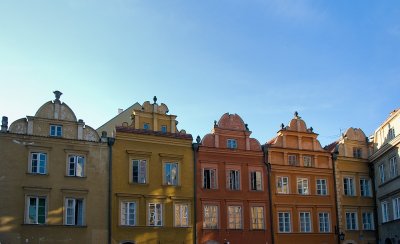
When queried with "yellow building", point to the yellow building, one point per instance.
{"points": [[354, 187], [53, 179], [152, 178]]}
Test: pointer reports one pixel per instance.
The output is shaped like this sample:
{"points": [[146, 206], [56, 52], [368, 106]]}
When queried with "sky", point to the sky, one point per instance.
{"points": [[335, 62]]}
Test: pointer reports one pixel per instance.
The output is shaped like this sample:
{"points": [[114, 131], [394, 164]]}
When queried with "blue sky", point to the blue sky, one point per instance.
{"points": [[335, 62]]}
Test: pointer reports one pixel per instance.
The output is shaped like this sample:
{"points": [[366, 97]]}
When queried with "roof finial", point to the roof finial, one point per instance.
{"points": [[155, 99], [198, 139], [282, 126], [58, 95], [296, 114]]}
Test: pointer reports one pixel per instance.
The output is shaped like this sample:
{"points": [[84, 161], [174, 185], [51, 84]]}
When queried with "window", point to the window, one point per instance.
{"points": [[73, 211], [365, 189], [256, 180], [396, 208], [234, 217], [351, 220], [36, 210], [155, 214], [234, 179], [146, 126], [171, 174], [321, 187], [231, 143], [181, 214], [55, 130], [348, 186], [139, 171], [283, 185], [382, 173], [302, 186], [393, 167], [209, 178], [367, 220], [305, 222], [357, 152], [38, 163], [210, 218], [76, 165], [292, 160], [284, 221], [324, 225], [307, 160], [128, 213], [385, 213], [391, 133], [257, 218], [164, 129]]}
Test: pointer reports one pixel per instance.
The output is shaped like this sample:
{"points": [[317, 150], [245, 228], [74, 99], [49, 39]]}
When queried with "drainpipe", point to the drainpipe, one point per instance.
{"points": [[110, 143], [268, 166], [195, 151], [372, 177], [334, 158]]}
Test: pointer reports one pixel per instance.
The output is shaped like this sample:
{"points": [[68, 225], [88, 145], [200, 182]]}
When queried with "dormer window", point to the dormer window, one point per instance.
{"points": [[231, 143], [146, 126], [164, 129], [56, 130]]}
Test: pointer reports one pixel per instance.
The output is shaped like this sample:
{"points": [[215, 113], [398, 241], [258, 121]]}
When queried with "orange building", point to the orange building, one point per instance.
{"points": [[302, 183], [232, 192]]}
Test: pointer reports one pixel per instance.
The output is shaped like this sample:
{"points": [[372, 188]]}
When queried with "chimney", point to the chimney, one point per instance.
{"points": [[4, 124], [120, 110]]}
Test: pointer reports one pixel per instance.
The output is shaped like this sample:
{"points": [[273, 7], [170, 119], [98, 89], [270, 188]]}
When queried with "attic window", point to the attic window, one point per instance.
{"points": [[231, 143], [56, 130]]}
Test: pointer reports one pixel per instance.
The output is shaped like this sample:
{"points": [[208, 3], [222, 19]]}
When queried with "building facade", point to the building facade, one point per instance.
{"points": [[152, 179], [53, 179], [385, 162], [302, 183], [354, 187], [231, 181]]}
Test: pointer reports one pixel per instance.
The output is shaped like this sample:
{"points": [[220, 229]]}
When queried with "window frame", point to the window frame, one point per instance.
{"points": [[56, 130], [305, 224], [396, 208], [164, 129], [357, 152], [308, 162], [370, 221], [348, 188], [385, 211], [234, 217], [325, 224], [75, 208], [139, 171], [128, 213], [256, 183], [83, 168], [235, 183], [27, 219], [158, 216], [286, 224], [231, 143], [179, 223], [30, 166], [322, 189], [146, 126], [255, 220], [365, 187], [352, 216], [393, 172], [303, 189], [166, 181], [381, 169], [292, 159], [213, 178], [207, 220], [280, 180]]}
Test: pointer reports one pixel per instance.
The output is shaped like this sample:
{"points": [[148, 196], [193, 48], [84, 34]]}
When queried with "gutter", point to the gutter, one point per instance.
{"points": [[268, 165], [372, 177], [334, 158]]}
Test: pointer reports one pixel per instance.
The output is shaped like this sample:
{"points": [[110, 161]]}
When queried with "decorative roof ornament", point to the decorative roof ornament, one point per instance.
{"points": [[58, 95], [155, 99], [246, 126], [282, 126], [215, 123], [311, 129], [198, 139], [296, 115]]}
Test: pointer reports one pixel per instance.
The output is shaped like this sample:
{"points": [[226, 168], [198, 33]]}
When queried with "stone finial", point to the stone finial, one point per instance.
{"points": [[215, 123], [58, 95], [311, 129], [155, 99], [4, 124], [176, 122], [282, 126], [296, 114], [198, 139], [246, 126]]}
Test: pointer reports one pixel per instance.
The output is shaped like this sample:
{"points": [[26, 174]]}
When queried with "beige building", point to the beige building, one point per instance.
{"points": [[385, 160], [355, 202], [152, 177], [53, 179]]}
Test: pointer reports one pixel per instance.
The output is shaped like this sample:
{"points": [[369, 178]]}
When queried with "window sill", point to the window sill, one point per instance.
{"points": [[55, 225], [75, 177], [139, 184], [37, 174], [175, 186]]}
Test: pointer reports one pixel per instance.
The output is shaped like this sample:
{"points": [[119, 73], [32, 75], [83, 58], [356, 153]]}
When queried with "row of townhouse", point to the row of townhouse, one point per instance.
{"points": [[138, 179]]}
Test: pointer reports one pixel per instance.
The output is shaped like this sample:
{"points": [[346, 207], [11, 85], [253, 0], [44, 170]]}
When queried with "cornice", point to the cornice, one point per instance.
{"points": [[388, 146]]}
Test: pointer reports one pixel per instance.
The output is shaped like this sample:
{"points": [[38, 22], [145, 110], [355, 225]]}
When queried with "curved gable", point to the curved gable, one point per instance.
{"points": [[355, 134], [56, 110], [231, 121]]}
